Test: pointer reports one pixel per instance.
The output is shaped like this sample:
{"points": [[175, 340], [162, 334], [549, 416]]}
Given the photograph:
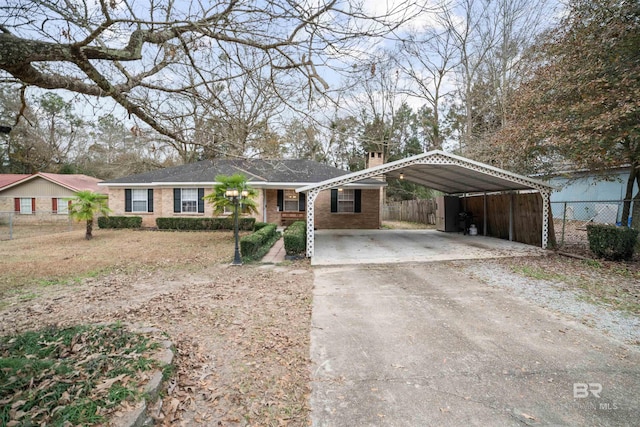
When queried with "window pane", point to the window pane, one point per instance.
{"points": [[25, 206], [189, 206], [139, 200], [290, 201], [63, 206], [346, 200], [345, 206], [189, 198], [139, 206]]}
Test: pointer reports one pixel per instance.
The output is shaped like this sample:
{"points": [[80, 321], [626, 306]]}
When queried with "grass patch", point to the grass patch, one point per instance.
{"points": [[42, 261], [538, 273], [75, 375]]}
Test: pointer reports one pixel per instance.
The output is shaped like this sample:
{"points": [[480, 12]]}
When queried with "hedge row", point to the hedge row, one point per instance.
{"points": [[120, 221], [258, 225], [611, 242], [244, 224], [258, 243], [295, 238]]}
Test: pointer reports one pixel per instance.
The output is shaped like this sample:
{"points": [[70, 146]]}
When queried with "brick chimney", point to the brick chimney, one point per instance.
{"points": [[375, 158]]}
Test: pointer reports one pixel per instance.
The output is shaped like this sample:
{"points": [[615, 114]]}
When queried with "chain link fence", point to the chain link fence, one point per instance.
{"points": [[570, 220], [14, 225]]}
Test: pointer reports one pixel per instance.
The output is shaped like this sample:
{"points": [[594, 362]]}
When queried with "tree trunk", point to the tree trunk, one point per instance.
{"points": [[635, 213], [626, 206], [89, 234]]}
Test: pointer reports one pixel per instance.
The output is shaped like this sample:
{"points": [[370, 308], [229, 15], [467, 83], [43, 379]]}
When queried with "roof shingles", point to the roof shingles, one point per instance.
{"points": [[256, 170]]}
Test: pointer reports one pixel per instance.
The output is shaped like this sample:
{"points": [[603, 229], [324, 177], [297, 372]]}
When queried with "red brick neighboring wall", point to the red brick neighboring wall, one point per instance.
{"points": [[369, 218]]}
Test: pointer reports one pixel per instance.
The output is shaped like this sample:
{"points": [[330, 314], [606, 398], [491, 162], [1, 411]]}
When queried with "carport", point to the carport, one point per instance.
{"points": [[445, 172]]}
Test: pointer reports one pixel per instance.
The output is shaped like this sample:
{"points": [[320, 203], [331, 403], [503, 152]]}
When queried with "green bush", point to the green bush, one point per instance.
{"points": [[611, 242], [225, 223], [258, 225], [252, 245], [120, 221], [295, 238]]}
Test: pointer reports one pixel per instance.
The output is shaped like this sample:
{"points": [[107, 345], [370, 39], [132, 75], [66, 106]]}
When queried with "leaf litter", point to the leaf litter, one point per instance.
{"points": [[240, 335]]}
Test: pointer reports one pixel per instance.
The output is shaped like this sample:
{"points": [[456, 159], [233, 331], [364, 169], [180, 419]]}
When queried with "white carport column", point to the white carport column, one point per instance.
{"points": [[311, 201], [545, 217]]}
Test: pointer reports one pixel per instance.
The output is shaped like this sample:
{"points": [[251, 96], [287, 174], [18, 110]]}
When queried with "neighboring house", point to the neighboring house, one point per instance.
{"points": [[591, 195], [42, 193], [179, 191]]}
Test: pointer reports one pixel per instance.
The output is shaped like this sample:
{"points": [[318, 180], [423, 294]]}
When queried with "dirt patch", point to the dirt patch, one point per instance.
{"points": [[241, 333]]}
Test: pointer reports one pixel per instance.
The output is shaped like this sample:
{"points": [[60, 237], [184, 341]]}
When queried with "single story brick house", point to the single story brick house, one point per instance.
{"points": [[178, 192], [42, 193]]}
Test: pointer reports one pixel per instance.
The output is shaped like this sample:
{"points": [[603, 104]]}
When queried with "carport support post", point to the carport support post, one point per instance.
{"points": [[311, 200], [545, 217]]}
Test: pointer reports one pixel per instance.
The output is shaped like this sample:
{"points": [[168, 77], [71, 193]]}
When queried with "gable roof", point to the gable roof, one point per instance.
{"points": [[9, 178], [444, 172], [257, 171], [73, 182]]}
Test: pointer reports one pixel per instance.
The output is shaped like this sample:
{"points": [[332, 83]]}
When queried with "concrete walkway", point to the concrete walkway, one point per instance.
{"points": [[339, 247], [276, 254], [426, 345]]}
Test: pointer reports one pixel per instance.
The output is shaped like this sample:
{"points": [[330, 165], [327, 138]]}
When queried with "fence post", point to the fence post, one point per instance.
{"points": [[564, 221]]}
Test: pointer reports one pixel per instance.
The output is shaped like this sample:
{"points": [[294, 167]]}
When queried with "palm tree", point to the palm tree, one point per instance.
{"points": [[219, 199], [84, 207]]}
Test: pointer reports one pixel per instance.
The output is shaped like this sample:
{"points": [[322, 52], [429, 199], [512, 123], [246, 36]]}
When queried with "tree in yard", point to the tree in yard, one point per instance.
{"points": [[152, 58], [85, 206], [581, 107], [219, 199]]}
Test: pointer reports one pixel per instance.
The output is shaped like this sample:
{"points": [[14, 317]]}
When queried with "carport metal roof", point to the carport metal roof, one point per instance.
{"points": [[441, 171]]}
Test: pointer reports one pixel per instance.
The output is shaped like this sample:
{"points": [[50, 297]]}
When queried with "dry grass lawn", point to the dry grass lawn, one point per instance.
{"points": [[241, 334]]}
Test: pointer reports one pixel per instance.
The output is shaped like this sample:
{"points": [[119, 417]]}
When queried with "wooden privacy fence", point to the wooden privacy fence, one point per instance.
{"points": [[421, 211], [526, 209]]}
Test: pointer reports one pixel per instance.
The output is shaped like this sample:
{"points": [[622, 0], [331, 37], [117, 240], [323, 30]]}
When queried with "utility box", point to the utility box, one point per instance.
{"points": [[447, 210]]}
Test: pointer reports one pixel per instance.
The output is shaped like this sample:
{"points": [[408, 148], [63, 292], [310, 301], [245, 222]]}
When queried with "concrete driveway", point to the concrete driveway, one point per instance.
{"points": [[426, 345], [335, 247]]}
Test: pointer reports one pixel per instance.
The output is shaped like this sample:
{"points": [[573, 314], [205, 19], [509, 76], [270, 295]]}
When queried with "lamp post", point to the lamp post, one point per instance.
{"points": [[236, 196]]}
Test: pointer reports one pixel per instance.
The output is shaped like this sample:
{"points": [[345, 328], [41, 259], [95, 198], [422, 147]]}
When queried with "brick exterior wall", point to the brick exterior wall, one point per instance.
{"points": [[369, 218], [163, 206]]}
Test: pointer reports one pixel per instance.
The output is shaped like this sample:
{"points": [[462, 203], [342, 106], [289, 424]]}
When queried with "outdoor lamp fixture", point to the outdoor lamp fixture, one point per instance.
{"points": [[401, 175], [236, 196]]}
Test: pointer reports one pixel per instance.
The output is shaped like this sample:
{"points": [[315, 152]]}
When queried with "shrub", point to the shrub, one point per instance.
{"points": [[252, 245], [295, 238], [611, 242], [120, 221], [224, 223], [258, 225]]}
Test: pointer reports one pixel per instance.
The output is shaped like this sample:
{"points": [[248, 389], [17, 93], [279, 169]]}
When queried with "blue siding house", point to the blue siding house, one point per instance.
{"points": [[596, 196]]}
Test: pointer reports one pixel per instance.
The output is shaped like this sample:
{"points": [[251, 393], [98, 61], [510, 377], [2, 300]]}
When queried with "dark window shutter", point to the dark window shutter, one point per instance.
{"points": [[54, 205], [127, 200], [334, 200], [33, 205], [302, 201], [16, 204], [280, 200], [150, 200], [177, 205], [201, 200], [357, 205]]}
